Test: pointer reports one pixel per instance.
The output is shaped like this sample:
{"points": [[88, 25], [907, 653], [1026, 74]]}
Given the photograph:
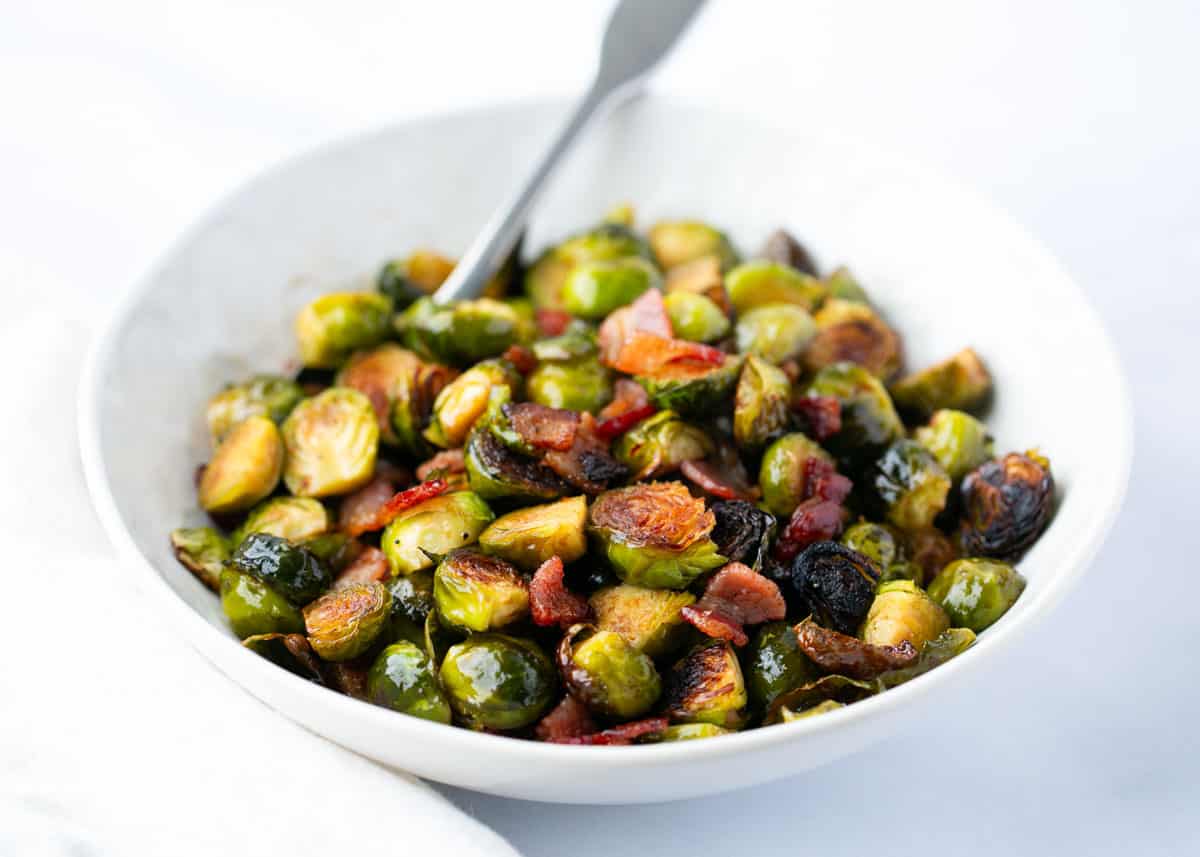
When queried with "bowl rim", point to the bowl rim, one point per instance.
{"points": [[215, 646]]}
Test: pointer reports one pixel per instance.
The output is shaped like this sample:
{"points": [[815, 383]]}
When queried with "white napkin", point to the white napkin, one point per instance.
{"points": [[116, 737]]}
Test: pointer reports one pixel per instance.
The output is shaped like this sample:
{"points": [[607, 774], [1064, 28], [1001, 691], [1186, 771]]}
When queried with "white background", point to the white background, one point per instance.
{"points": [[122, 121]]}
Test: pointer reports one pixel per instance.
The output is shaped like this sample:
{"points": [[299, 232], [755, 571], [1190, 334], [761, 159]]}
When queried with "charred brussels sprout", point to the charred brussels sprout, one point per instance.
{"points": [[202, 551], [289, 569], [707, 687], [296, 519], [743, 531], [262, 396], [530, 536], [930, 550], [545, 278], [775, 332], [782, 474], [692, 731], [958, 441], [463, 332], [902, 611], [344, 622], [760, 404], [332, 440], [290, 651], [659, 444], [781, 246], [476, 592], [498, 682], [695, 317], [756, 284], [692, 388], [463, 401], [385, 375], [244, 469], [594, 289], [677, 242], [333, 326], [960, 383], [655, 534], [575, 385], [1006, 504], [911, 485], [433, 528], [843, 285], [874, 541], [606, 674], [853, 332], [976, 592], [868, 417], [648, 619], [252, 607], [835, 584], [775, 664], [495, 471], [402, 678]]}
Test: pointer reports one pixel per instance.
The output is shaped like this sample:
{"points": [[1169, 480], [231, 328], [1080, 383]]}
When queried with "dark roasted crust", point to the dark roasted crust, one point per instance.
{"points": [[700, 677], [835, 584], [1006, 505], [843, 654], [529, 473], [658, 514]]}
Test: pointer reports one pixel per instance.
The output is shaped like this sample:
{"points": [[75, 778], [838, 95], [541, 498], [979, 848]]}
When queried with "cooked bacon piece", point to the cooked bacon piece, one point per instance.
{"points": [[648, 314], [626, 733], [613, 427], [521, 357], [550, 602], [815, 520], [397, 474], [638, 339], [628, 395], [370, 565], [587, 465], [360, 508], [552, 322], [822, 415], [850, 656], [569, 719], [448, 461], [720, 481], [735, 596], [386, 511], [543, 427]]}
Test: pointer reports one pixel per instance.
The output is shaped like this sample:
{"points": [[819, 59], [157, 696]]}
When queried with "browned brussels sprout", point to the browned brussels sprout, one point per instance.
{"points": [[816, 696], [332, 440], [874, 541], [911, 485], [760, 404], [707, 686], [476, 592], [700, 277], [433, 528], [290, 651], [648, 619], [961, 383], [332, 327], [947, 645], [843, 654], [957, 440], [976, 592], [850, 332], [930, 550], [296, 519], [835, 584], [743, 532], [606, 674], [1006, 504], [261, 396], [677, 242], [388, 376], [343, 623], [495, 471], [902, 611], [202, 551], [781, 247], [691, 388], [244, 469], [530, 536], [659, 444], [463, 401], [759, 283], [869, 421]]}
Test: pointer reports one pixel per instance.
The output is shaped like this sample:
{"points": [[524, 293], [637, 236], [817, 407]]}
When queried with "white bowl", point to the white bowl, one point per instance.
{"points": [[947, 268]]}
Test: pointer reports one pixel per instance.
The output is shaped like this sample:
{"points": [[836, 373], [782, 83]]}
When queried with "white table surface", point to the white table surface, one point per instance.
{"points": [[123, 120]]}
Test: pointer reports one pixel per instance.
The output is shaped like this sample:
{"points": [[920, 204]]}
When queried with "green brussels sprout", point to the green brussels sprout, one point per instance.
{"points": [[775, 332], [498, 682], [677, 242], [975, 592], [530, 536], [758, 283], [849, 332], [706, 686], [412, 602], [775, 664], [476, 592], [463, 332], [700, 277], [244, 469], [202, 551], [332, 327], [869, 419], [692, 731], [296, 519], [874, 541], [958, 441], [786, 715], [290, 651], [384, 375], [960, 383], [574, 385], [544, 279], [432, 529], [252, 607], [332, 440], [267, 396], [947, 645], [335, 550], [648, 619], [606, 674], [412, 278], [695, 317], [344, 622], [578, 341], [289, 569], [594, 289], [692, 389], [902, 611], [903, 569], [815, 697], [911, 485], [621, 215], [760, 404], [403, 679], [659, 444], [842, 285], [463, 401], [655, 534], [782, 473]]}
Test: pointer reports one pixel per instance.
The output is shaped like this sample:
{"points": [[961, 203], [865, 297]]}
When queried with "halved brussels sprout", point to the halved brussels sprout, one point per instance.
{"points": [[816, 696], [343, 623], [431, 529], [648, 619], [544, 279], [575, 385], [843, 285], [244, 469], [252, 607], [498, 682], [289, 569], [786, 715], [874, 541], [384, 375], [868, 417], [957, 440], [594, 289], [976, 592], [660, 443], [902, 611], [700, 277], [743, 532], [202, 551], [758, 283], [835, 584], [463, 401], [677, 242], [402, 678], [413, 405], [332, 327], [476, 592], [911, 485], [578, 341], [655, 534], [412, 602], [695, 317], [463, 332], [781, 246], [692, 388], [782, 474], [960, 383], [692, 731], [707, 686], [1006, 504], [775, 664], [760, 404], [267, 396], [495, 471], [332, 440], [290, 651], [296, 519], [930, 550], [530, 536], [775, 332], [606, 674], [335, 550], [853, 332], [947, 645]]}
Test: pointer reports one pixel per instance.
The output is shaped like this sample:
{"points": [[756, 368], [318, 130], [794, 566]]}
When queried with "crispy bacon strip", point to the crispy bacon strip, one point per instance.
{"points": [[849, 656], [543, 427], [613, 427], [822, 415], [521, 357], [370, 565], [735, 596], [406, 499], [447, 461], [569, 719], [628, 395], [550, 602], [638, 339], [587, 465], [718, 481], [552, 322], [626, 733], [360, 508]]}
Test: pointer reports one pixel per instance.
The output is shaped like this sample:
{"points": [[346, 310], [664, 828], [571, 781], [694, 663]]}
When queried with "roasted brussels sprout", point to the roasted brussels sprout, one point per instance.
{"points": [[835, 584], [402, 678], [677, 242], [335, 550], [692, 731], [498, 682], [660, 443], [594, 289], [851, 332], [1006, 503], [576, 385], [289, 569], [695, 317], [958, 441], [816, 698], [463, 401], [976, 592], [476, 592], [413, 405], [606, 674], [869, 421], [544, 279], [782, 474], [202, 551], [775, 664], [760, 404], [433, 528], [412, 278], [648, 619], [783, 248], [530, 536], [333, 326], [262, 396], [244, 469], [930, 550], [756, 284], [911, 485], [947, 645], [290, 651], [463, 332], [700, 277], [775, 332], [296, 519], [495, 471], [385, 375], [655, 534], [743, 531], [252, 607], [707, 686], [874, 541], [960, 383], [842, 285], [902, 611], [332, 440], [412, 602], [344, 622], [690, 388]]}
